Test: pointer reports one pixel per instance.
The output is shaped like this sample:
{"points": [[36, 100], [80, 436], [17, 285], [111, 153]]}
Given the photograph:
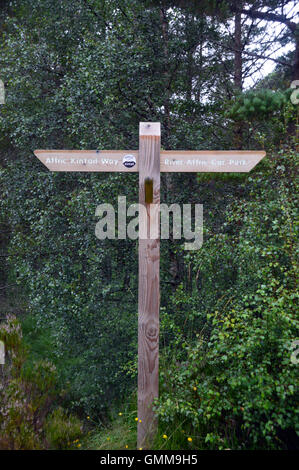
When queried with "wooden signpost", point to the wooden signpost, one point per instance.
{"points": [[149, 161]]}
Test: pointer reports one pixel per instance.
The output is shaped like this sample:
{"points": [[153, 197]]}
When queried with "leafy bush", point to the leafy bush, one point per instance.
{"points": [[235, 385], [26, 394], [27, 391], [258, 104], [77, 284]]}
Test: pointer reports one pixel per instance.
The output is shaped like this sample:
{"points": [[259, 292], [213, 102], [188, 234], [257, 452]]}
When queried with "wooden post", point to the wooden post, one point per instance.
{"points": [[149, 292], [149, 162]]}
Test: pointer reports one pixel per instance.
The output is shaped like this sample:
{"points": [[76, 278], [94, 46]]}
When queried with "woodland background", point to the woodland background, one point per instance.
{"points": [[81, 75]]}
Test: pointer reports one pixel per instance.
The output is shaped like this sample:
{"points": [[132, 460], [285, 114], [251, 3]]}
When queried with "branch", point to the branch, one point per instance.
{"points": [[257, 56], [263, 15], [264, 57]]}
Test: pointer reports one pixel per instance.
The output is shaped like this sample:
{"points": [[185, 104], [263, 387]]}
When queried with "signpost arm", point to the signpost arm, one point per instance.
{"points": [[149, 292]]}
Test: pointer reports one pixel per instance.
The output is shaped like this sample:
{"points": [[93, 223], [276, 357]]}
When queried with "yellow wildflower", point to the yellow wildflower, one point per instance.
{"points": [[164, 436], [190, 439]]}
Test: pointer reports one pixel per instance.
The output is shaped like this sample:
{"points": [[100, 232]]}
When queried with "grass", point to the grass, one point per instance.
{"points": [[121, 434], [118, 436]]}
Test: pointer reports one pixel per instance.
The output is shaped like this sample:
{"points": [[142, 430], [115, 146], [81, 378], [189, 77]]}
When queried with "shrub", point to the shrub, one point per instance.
{"points": [[62, 429], [26, 395], [235, 385]]}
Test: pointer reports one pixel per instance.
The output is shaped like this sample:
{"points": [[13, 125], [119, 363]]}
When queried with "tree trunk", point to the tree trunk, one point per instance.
{"points": [[296, 60], [164, 25], [238, 53], [238, 130]]}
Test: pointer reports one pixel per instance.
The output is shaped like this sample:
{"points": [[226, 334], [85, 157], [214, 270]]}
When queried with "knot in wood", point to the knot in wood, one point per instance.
{"points": [[151, 331]]}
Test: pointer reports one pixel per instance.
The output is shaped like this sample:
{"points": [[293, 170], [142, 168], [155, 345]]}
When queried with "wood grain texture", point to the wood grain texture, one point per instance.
{"points": [[149, 291]]}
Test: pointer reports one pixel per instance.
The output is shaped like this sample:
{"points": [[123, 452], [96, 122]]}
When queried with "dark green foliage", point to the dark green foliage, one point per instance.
{"points": [[261, 104], [235, 385], [76, 290], [82, 75]]}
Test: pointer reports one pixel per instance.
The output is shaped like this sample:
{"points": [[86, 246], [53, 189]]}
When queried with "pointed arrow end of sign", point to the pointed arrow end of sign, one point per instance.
{"points": [[260, 156]]}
